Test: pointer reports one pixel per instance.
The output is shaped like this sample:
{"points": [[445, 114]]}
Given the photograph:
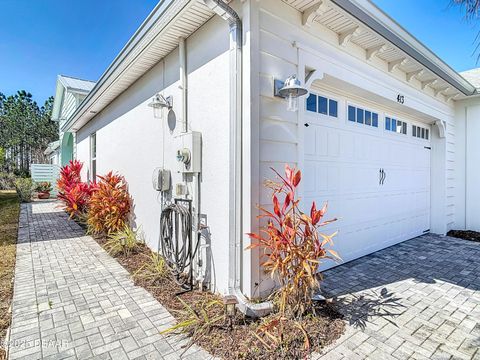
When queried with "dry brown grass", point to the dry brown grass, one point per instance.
{"points": [[9, 212]]}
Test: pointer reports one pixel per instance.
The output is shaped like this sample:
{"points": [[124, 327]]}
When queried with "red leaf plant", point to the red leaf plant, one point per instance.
{"points": [[292, 245], [72, 192], [110, 205]]}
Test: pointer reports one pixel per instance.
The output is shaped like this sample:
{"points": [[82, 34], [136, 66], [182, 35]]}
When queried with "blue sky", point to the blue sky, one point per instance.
{"points": [[42, 38], [439, 26]]}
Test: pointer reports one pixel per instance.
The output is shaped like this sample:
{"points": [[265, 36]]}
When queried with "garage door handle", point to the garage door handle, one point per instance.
{"points": [[383, 175]]}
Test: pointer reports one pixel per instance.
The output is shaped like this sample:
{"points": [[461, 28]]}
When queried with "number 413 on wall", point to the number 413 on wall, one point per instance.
{"points": [[400, 99]]}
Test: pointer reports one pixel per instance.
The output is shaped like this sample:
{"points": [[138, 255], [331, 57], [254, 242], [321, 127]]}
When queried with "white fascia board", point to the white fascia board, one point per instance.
{"points": [[370, 15], [57, 100], [160, 10]]}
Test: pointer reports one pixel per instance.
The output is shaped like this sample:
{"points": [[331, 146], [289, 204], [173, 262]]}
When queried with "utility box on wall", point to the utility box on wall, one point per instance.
{"points": [[189, 155]]}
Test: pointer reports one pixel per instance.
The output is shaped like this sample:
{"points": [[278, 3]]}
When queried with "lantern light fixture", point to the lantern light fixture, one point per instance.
{"points": [[159, 102], [230, 302], [290, 89]]}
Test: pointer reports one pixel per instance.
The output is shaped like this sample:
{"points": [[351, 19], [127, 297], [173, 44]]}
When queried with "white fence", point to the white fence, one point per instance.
{"points": [[46, 172]]}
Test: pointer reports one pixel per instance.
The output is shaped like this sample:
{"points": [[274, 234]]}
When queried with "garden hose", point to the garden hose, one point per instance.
{"points": [[175, 240]]}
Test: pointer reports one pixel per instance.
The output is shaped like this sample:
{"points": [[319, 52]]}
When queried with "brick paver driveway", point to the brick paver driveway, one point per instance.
{"points": [[72, 300], [416, 300]]}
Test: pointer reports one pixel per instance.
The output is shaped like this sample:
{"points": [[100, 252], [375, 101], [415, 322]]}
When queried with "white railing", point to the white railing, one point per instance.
{"points": [[46, 172]]}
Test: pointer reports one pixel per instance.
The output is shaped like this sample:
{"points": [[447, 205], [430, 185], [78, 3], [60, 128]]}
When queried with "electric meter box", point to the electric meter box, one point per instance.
{"points": [[161, 179], [189, 154]]}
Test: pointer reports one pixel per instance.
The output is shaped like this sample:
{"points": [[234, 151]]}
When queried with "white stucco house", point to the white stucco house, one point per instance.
{"points": [[386, 133]]}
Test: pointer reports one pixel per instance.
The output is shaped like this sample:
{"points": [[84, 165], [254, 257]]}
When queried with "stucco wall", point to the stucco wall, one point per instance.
{"points": [[132, 142]]}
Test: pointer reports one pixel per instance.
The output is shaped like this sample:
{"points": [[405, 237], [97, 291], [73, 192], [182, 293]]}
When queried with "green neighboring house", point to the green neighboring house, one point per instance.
{"points": [[69, 94]]}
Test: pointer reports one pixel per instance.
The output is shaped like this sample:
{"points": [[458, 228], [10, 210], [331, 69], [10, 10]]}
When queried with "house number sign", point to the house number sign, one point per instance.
{"points": [[400, 98]]}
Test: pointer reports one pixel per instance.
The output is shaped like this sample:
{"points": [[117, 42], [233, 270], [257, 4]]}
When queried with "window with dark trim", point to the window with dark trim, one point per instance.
{"points": [[362, 116], [420, 132], [322, 105], [394, 125]]}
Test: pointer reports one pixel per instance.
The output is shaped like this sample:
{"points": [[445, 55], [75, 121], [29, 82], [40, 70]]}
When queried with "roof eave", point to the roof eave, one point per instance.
{"points": [[369, 14], [160, 9]]}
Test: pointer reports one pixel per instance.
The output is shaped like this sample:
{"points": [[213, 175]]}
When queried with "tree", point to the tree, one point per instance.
{"points": [[472, 7], [25, 130], [2, 158]]}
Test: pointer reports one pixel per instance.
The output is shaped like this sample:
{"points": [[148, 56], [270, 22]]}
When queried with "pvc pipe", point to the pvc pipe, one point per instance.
{"points": [[183, 81]]}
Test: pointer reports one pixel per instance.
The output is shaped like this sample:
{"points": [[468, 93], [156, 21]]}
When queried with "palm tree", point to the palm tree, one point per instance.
{"points": [[472, 13], [472, 8]]}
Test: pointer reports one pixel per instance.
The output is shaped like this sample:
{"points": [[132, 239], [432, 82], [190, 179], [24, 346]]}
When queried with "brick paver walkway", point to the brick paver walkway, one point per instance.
{"points": [[416, 300], [72, 300]]}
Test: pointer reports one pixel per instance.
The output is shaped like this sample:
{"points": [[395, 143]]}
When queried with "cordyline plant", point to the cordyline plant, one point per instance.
{"points": [[74, 193], [293, 245], [109, 205]]}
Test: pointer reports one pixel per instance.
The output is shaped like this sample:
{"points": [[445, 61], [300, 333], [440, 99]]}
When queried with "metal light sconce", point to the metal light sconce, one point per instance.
{"points": [[290, 89], [230, 302], [159, 102]]}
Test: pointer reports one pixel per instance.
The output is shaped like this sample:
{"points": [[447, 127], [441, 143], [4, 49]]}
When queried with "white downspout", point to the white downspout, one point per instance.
{"points": [[235, 167]]}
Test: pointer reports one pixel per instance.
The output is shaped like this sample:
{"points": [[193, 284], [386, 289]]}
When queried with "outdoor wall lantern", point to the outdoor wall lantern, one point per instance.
{"points": [[158, 103], [290, 89]]}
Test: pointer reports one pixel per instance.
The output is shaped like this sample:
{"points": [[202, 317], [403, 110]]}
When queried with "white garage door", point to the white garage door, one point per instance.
{"points": [[374, 170]]}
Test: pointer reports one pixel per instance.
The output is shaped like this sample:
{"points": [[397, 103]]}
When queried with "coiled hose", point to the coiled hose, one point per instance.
{"points": [[176, 247]]}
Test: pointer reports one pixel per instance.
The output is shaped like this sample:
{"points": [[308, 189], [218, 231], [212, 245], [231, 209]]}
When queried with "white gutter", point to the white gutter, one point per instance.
{"points": [[236, 175]]}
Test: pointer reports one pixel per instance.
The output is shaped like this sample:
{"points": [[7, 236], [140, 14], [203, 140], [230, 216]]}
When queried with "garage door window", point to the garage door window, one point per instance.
{"points": [[394, 125], [420, 132], [362, 116], [322, 105]]}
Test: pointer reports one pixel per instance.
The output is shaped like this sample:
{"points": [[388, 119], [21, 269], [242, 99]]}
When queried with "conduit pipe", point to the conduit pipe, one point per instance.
{"points": [[235, 168], [183, 81]]}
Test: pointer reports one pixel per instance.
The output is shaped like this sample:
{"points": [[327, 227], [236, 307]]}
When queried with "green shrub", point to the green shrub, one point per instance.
{"points": [[7, 181], [24, 187]]}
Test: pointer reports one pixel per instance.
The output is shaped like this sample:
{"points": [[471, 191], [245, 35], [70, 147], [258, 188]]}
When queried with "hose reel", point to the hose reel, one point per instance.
{"points": [[176, 243]]}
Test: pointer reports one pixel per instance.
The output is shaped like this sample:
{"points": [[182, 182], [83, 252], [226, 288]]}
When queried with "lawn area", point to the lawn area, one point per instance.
{"points": [[9, 212]]}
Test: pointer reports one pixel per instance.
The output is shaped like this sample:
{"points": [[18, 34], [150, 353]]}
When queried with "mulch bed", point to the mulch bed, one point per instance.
{"points": [[465, 234], [9, 212], [240, 341]]}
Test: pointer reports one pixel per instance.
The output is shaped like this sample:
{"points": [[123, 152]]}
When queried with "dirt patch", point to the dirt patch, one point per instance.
{"points": [[9, 212], [465, 234], [239, 341]]}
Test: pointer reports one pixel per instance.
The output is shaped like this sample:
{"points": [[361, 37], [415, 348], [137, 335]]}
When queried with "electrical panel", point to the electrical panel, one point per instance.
{"points": [[161, 179], [189, 154]]}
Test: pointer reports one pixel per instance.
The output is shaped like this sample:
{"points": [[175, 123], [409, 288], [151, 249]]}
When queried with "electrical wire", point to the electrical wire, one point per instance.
{"points": [[175, 242]]}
